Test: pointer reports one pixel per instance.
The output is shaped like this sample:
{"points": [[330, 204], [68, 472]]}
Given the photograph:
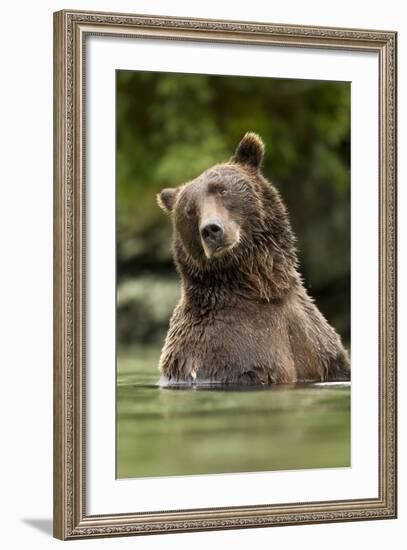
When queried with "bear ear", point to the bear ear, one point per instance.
{"points": [[166, 199], [250, 150]]}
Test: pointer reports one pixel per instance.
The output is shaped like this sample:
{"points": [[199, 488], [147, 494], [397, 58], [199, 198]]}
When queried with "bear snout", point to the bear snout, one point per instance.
{"points": [[213, 237], [212, 232]]}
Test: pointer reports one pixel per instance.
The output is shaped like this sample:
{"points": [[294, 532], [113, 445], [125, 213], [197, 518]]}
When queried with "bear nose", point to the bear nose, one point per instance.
{"points": [[212, 230]]}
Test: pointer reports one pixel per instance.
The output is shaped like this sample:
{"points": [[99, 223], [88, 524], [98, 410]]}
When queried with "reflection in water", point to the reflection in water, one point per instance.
{"points": [[202, 430]]}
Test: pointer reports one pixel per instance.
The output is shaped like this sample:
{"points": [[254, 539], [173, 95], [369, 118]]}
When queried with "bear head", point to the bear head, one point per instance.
{"points": [[229, 221]]}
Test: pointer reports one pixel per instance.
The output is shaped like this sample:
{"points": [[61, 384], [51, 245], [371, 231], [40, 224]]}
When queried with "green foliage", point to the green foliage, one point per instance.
{"points": [[171, 127]]}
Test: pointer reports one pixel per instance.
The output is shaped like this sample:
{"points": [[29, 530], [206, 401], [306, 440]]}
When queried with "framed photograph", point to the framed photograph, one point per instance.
{"points": [[225, 274]]}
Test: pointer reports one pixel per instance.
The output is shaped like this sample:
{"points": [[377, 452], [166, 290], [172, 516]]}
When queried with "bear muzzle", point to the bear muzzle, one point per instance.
{"points": [[212, 231], [215, 238], [212, 236]]}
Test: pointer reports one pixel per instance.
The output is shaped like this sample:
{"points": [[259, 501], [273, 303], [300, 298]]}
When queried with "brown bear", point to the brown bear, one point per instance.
{"points": [[244, 316]]}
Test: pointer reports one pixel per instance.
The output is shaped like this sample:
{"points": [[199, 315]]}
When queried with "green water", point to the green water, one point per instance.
{"points": [[162, 431]]}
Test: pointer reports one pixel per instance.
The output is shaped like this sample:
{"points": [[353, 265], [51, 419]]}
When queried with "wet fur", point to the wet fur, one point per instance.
{"points": [[246, 317]]}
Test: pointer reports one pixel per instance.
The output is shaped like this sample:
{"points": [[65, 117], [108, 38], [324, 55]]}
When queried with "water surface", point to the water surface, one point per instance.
{"points": [[185, 431]]}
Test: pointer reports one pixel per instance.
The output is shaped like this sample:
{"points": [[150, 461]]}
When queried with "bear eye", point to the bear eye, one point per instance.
{"points": [[190, 211], [222, 191]]}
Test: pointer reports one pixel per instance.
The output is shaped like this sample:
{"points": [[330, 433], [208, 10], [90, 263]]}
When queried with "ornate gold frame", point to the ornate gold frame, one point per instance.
{"points": [[70, 31]]}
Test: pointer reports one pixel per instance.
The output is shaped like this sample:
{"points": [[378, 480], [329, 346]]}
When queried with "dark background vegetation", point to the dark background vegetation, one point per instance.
{"points": [[171, 127]]}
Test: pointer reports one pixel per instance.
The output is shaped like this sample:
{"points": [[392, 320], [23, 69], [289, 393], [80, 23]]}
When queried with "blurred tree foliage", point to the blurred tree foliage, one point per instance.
{"points": [[171, 127]]}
